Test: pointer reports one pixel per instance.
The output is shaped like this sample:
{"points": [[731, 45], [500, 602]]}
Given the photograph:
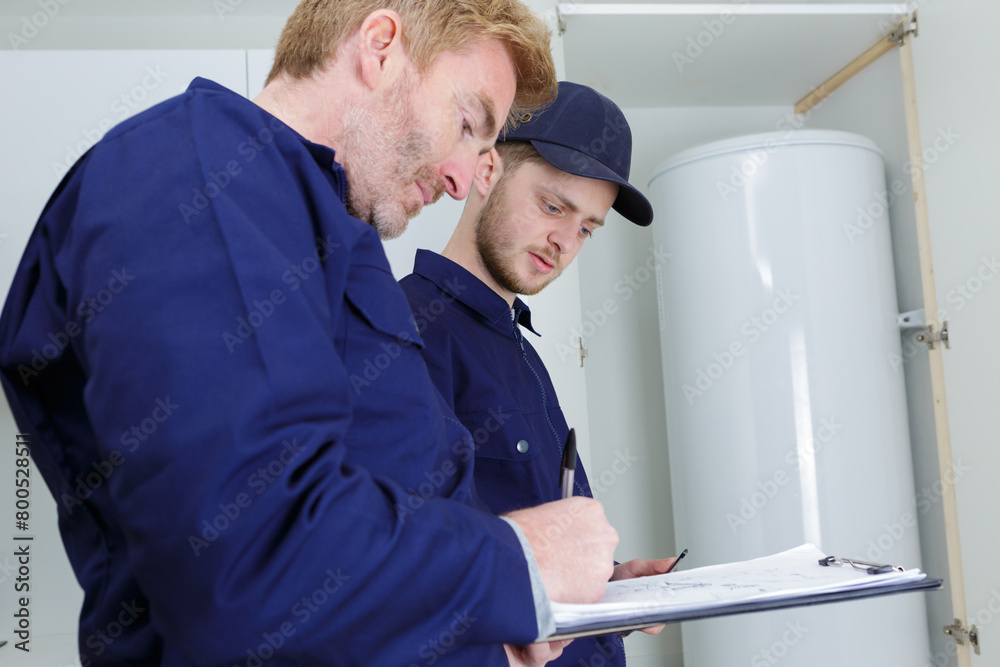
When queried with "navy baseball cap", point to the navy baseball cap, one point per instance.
{"points": [[584, 133]]}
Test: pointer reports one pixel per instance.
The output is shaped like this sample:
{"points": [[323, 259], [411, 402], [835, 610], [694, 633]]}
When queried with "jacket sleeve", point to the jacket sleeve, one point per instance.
{"points": [[212, 372]]}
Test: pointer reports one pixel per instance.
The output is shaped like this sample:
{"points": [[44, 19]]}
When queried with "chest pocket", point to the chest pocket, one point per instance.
{"points": [[506, 436], [374, 293]]}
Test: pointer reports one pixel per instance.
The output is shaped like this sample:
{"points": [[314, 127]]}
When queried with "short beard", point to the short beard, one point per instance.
{"points": [[384, 152], [492, 245]]}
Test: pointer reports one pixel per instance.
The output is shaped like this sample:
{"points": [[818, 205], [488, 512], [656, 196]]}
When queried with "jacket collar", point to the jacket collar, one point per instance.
{"points": [[457, 282]]}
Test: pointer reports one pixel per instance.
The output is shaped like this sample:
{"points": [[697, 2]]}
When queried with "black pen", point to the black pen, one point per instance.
{"points": [[568, 465], [677, 560]]}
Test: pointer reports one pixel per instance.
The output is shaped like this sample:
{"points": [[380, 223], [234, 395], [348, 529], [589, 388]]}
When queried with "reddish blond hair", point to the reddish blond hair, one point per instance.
{"points": [[317, 28]]}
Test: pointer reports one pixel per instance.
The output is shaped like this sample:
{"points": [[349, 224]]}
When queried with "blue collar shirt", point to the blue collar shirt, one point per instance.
{"points": [[497, 385]]}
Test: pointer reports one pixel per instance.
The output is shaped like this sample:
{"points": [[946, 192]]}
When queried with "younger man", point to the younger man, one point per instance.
{"points": [[535, 200]]}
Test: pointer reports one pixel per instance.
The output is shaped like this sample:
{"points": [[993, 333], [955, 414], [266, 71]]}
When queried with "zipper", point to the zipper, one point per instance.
{"points": [[541, 389]]}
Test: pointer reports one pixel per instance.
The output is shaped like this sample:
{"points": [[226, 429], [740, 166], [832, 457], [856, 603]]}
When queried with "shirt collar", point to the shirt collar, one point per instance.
{"points": [[456, 281]]}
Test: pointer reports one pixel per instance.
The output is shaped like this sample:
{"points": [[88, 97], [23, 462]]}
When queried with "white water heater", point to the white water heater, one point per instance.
{"points": [[786, 407]]}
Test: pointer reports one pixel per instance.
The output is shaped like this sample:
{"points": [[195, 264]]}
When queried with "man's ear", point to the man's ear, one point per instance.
{"points": [[380, 47], [489, 170]]}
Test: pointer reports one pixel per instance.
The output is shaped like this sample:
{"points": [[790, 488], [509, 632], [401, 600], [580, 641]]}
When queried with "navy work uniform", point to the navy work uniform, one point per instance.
{"points": [[224, 392]]}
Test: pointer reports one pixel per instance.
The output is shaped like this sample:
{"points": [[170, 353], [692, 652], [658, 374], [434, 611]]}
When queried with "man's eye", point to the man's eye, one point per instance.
{"points": [[586, 232], [551, 208], [466, 128]]}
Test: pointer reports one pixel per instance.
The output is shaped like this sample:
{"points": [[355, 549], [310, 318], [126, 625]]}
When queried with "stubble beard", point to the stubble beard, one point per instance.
{"points": [[496, 248], [386, 154]]}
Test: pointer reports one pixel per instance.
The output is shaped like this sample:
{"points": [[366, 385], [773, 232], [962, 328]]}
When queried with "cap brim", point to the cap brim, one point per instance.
{"points": [[630, 203]]}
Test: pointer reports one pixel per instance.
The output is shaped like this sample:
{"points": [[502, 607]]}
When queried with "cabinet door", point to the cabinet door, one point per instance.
{"points": [[258, 65], [960, 135], [57, 104]]}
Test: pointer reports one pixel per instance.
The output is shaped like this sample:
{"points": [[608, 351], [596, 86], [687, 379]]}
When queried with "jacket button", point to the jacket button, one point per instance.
{"points": [[522, 446]]}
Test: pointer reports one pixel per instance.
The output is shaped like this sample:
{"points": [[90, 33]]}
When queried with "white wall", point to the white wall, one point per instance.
{"points": [[123, 24], [956, 88]]}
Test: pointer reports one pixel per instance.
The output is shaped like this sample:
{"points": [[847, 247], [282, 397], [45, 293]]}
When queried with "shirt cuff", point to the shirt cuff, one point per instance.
{"points": [[543, 609]]}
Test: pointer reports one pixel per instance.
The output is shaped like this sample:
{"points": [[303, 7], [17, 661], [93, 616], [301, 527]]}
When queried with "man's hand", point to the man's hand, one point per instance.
{"points": [[534, 655], [643, 568], [574, 546]]}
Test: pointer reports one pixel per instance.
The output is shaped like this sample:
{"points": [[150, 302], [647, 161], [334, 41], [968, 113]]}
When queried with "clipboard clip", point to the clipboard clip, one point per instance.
{"points": [[870, 568]]}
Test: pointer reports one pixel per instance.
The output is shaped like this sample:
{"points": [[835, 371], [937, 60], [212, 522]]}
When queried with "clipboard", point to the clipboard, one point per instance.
{"points": [[745, 608], [897, 580]]}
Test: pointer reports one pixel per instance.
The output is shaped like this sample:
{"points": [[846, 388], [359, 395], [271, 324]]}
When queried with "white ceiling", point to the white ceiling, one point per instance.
{"points": [[151, 7], [711, 60]]}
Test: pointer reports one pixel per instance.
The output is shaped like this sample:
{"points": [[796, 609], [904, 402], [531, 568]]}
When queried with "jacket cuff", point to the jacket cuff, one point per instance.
{"points": [[543, 608]]}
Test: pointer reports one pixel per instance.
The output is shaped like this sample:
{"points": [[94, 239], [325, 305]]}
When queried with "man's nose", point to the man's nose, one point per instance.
{"points": [[564, 237], [457, 174]]}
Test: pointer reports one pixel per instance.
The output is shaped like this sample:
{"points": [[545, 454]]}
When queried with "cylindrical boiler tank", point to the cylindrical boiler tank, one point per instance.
{"points": [[786, 411]]}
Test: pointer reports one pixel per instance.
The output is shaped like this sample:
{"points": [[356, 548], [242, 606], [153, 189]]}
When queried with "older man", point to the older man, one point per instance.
{"points": [[536, 199], [228, 493]]}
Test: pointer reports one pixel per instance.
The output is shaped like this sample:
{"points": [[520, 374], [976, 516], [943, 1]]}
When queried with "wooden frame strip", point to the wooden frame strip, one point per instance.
{"points": [[949, 503], [837, 80]]}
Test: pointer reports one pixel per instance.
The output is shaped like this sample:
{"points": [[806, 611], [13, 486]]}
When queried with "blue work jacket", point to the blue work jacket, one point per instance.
{"points": [[224, 391], [496, 383]]}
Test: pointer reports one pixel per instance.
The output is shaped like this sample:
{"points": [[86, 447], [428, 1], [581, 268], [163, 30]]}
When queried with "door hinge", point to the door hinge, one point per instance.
{"points": [[930, 336], [958, 632], [583, 351]]}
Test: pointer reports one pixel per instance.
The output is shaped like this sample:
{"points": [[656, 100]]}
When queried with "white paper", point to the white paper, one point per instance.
{"points": [[790, 574]]}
